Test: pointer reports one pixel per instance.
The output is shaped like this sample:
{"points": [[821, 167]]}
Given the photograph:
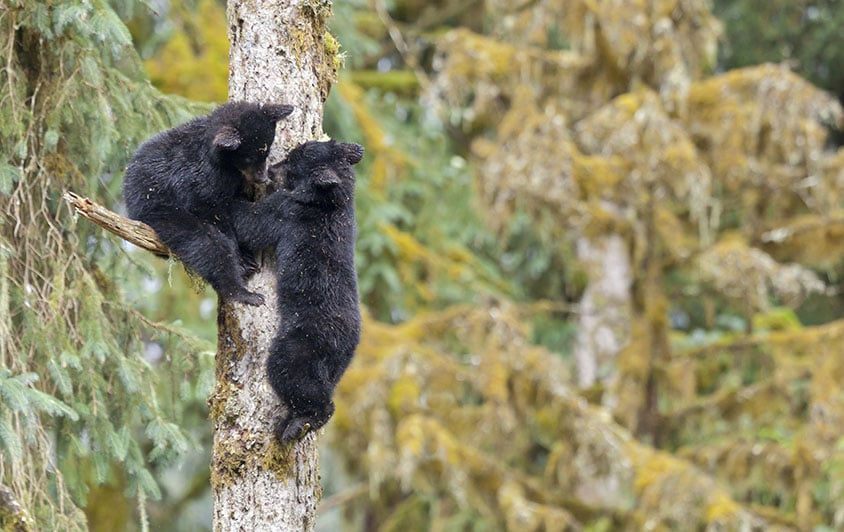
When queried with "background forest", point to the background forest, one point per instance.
{"points": [[600, 253]]}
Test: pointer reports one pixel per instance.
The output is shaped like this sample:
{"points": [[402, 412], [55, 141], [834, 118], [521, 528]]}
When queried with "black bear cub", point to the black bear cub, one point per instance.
{"points": [[311, 223], [185, 181]]}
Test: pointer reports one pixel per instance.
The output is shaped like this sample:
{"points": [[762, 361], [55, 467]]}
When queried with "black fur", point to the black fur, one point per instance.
{"points": [[184, 181], [311, 223]]}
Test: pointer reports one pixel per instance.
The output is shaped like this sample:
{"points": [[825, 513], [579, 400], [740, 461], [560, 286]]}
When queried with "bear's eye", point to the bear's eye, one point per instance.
{"points": [[263, 149]]}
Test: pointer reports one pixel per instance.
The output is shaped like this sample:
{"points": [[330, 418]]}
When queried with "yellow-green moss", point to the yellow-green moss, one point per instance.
{"points": [[15, 521], [220, 403], [229, 457], [277, 457], [317, 10], [332, 51]]}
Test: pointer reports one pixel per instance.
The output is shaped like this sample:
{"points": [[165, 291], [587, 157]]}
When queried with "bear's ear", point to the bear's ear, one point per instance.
{"points": [[276, 112], [352, 152], [227, 138]]}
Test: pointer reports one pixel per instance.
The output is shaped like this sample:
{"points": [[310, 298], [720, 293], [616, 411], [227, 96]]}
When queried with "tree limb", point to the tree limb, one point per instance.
{"points": [[137, 233]]}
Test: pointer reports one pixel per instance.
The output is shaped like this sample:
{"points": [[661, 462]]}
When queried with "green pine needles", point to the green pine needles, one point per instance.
{"points": [[93, 396]]}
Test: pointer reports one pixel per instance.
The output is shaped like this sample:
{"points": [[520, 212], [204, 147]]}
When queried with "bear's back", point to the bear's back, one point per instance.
{"points": [[166, 171]]}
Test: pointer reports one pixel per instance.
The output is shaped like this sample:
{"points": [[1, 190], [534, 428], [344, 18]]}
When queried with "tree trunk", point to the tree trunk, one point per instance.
{"points": [[280, 52], [605, 309]]}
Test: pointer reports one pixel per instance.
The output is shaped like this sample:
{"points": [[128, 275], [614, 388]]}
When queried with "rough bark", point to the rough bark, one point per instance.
{"points": [[280, 53]]}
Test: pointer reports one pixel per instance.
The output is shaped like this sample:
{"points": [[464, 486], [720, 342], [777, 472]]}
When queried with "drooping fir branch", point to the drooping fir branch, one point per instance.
{"points": [[137, 233]]}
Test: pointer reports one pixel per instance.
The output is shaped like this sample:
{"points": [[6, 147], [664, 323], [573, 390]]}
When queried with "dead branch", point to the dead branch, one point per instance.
{"points": [[137, 233]]}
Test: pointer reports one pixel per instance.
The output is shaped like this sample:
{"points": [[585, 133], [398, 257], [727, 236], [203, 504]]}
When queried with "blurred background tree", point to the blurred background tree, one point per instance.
{"points": [[600, 263]]}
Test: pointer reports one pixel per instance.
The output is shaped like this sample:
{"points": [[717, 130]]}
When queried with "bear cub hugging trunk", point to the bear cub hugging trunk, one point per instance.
{"points": [[311, 223], [184, 183]]}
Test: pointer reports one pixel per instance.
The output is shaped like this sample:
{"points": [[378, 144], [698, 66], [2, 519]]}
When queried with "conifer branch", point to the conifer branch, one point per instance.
{"points": [[137, 233]]}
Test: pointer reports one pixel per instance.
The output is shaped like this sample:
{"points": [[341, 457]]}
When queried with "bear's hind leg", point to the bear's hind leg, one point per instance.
{"points": [[301, 380], [205, 250]]}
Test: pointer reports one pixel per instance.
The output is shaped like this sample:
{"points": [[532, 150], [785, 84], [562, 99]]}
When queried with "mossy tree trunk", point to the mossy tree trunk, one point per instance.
{"points": [[279, 53]]}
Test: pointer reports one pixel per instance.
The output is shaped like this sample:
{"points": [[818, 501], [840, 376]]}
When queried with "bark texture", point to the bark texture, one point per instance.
{"points": [[280, 52]]}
